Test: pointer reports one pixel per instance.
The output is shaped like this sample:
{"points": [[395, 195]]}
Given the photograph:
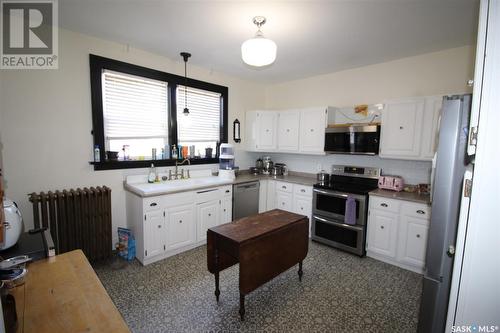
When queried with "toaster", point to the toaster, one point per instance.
{"points": [[394, 183]]}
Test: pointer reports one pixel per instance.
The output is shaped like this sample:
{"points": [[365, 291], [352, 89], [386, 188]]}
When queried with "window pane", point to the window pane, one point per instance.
{"points": [[201, 127], [135, 113]]}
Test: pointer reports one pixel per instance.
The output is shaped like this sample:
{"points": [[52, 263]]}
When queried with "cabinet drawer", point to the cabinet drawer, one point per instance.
{"points": [[227, 191], [302, 190], [416, 210], [284, 201], [150, 204], [283, 187], [384, 204], [207, 194]]}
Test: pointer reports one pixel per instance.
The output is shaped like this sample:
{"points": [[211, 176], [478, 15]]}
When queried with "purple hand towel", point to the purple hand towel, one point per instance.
{"points": [[350, 211]]}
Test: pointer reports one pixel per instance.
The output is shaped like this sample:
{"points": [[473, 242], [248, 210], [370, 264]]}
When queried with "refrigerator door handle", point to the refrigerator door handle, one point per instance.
{"points": [[451, 251]]}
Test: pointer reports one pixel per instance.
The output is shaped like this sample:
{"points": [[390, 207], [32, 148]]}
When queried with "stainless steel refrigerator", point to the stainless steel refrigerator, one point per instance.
{"points": [[449, 166]]}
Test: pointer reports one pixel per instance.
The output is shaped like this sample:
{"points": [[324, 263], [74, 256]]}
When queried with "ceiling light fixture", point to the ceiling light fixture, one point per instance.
{"points": [[258, 51], [185, 56]]}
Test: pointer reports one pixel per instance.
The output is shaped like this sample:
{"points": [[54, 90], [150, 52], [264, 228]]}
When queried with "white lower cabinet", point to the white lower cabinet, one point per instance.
{"points": [[207, 214], [169, 224], [155, 231], [397, 232], [283, 200], [181, 230], [383, 233], [287, 196]]}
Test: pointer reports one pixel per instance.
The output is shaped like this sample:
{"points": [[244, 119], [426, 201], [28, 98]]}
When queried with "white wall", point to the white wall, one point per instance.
{"points": [[46, 120], [435, 73]]}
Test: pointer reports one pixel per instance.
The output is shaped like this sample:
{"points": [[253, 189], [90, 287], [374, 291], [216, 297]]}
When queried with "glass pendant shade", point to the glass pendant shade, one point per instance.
{"points": [[258, 51]]}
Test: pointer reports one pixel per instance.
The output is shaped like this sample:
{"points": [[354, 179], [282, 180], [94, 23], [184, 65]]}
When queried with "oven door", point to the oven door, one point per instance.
{"points": [[332, 204], [363, 140], [343, 236]]}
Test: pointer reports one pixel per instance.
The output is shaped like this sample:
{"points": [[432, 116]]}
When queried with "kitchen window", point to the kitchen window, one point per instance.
{"points": [[136, 109]]}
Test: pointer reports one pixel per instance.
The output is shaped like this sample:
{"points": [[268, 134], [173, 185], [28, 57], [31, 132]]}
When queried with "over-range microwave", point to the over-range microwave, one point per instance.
{"points": [[353, 139]]}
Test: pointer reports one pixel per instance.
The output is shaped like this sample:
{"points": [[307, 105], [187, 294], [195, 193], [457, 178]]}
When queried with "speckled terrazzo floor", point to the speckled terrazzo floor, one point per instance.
{"points": [[339, 292]]}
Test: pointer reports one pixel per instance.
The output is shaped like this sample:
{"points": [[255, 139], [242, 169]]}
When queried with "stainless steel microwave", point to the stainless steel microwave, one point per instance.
{"points": [[353, 139]]}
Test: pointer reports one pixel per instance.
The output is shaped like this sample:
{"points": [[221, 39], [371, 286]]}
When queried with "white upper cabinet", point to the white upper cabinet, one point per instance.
{"points": [[312, 130], [288, 131], [291, 131], [409, 128], [268, 121], [401, 127]]}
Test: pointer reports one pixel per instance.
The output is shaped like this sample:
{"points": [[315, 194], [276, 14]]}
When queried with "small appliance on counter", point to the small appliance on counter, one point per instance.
{"points": [[280, 169], [13, 224], [393, 183], [267, 165], [226, 161]]}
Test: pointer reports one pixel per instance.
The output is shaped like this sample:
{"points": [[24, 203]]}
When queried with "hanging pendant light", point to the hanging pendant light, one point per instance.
{"points": [[185, 56], [258, 51]]}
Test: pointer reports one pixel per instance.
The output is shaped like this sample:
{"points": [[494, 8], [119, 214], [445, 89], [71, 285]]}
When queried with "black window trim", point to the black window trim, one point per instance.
{"points": [[98, 64]]}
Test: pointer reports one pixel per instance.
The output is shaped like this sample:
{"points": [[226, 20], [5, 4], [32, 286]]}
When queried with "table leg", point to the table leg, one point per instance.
{"points": [[242, 307], [300, 271], [217, 291]]}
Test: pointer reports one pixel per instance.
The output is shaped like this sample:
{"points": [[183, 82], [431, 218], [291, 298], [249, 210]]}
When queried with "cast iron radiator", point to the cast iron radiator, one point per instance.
{"points": [[77, 219]]}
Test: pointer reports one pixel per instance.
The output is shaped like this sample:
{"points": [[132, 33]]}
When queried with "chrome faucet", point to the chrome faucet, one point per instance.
{"points": [[176, 174]]}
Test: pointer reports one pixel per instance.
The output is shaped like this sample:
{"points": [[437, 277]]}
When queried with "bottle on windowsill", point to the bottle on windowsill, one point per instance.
{"points": [[174, 152]]}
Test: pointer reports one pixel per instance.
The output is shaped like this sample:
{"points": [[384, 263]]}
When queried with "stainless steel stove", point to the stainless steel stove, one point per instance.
{"points": [[329, 207]]}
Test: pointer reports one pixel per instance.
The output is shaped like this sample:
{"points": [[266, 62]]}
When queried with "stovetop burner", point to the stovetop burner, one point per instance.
{"points": [[349, 184]]}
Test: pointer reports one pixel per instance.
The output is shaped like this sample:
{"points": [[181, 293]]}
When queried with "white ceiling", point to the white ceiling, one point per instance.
{"points": [[313, 37]]}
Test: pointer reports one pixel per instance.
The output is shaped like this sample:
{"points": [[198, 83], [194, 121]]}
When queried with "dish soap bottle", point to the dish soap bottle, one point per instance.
{"points": [[152, 174]]}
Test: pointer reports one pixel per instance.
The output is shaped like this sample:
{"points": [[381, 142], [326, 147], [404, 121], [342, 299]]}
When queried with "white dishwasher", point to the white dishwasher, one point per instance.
{"points": [[245, 199]]}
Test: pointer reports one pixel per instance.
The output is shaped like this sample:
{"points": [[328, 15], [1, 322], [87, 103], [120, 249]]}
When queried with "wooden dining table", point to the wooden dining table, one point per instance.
{"points": [[265, 245]]}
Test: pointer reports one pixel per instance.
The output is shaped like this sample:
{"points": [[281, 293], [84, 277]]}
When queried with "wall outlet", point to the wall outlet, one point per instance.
{"points": [[319, 167]]}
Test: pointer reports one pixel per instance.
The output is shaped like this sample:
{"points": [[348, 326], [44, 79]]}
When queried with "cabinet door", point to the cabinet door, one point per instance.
{"points": [[284, 201], [271, 195], [226, 210], [181, 226], [207, 216], [303, 205], [288, 131], [267, 124], [251, 130], [413, 241], [430, 126], [312, 130], [155, 233], [401, 129], [382, 233]]}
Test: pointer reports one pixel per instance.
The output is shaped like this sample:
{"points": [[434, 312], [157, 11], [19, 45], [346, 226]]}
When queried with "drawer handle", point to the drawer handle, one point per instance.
{"points": [[282, 203], [180, 221], [153, 204], [400, 127], [418, 235], [224, 210], [209, 214], [159, 225], [381, 227], [420, 211], [312, 130], [288, 130], [302, 190], [227, 191], [283, 187], [384, 204]]}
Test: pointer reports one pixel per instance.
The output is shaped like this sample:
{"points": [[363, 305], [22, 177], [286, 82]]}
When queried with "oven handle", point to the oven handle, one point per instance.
{"points": [[340, 194], [330, 193], [347, 226]]}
